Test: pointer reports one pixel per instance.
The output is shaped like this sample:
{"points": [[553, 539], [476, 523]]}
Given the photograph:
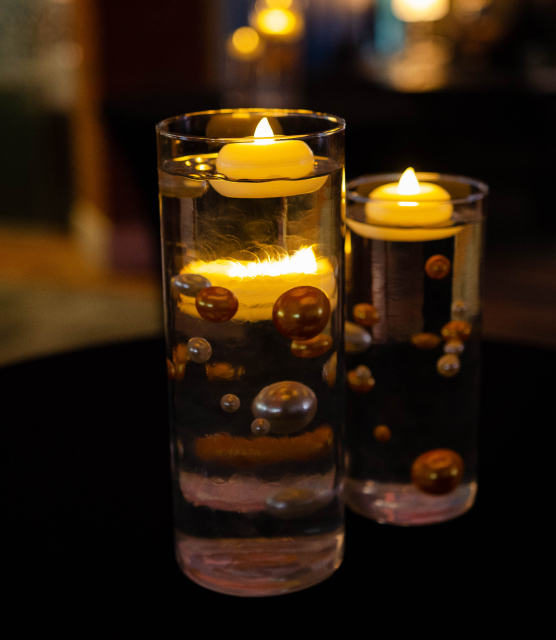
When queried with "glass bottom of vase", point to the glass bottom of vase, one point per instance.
{"points": [[260, 566], [404, 505]]}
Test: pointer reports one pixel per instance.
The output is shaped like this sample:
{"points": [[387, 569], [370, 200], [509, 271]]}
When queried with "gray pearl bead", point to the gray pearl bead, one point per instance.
{"points": [[356, 338], [288, 406], [189, 284]]}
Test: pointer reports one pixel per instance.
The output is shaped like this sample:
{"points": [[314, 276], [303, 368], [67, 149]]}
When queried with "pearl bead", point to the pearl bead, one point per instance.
{"points": [[230, 403], [260, 427], [425, 341], [199, 350], [454, 346], [216, 304], [301, 313], [288, 406], [382, 433], [365, 314], [456, 330], [448, 366], [437, 267], [437, 472], [311, 348]]}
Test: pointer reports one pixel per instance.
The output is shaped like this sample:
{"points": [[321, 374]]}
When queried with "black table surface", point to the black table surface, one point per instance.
{"points": [[88, 520]]}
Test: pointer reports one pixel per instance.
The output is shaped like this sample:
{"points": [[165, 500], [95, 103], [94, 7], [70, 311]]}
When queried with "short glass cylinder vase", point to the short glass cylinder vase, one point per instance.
{"points": [[253, 261], [413, 282]]}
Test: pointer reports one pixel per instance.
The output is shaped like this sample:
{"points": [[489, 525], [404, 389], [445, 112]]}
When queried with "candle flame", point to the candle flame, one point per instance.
{"points": [[302, 262], [408, 184], [264, 130]]}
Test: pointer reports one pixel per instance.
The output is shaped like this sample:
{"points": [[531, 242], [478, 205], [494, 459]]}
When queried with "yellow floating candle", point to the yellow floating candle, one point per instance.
{"points": [[257, 285], [423, 208], [266, 159]]}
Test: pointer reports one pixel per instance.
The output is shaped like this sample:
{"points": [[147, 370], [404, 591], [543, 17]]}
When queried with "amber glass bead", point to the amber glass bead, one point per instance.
{"points": [[216, 304], [243, 452], [180, 353], [360, 384], [301, 313], [425, 340], [311, 348], [180, 370], [170, 369], [382, 433], [230, 403], [329, 370], [437, 472], [437, 267], [365, 314], [223, 371], [456, 330]]}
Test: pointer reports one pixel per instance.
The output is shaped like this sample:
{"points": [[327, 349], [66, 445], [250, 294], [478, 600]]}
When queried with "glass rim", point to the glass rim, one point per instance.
{"points": [[339, 122], [482, 188]]}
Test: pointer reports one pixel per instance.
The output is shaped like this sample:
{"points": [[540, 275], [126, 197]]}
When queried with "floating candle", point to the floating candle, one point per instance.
{"points": [[257, 285], [266, 159], [424, 208]]}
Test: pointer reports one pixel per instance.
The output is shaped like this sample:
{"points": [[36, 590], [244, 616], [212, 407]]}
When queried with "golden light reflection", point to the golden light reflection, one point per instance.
{"points": [[302, 261], [245, 43], [420, 10], [278, 23]]}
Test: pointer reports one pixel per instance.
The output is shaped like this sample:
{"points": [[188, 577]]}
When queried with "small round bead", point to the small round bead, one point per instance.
{"points": [[365, 314], [437, 267], [260, 427], [199, 350], [293, 503], [438, 471], [188, 284], [459, 309], [359, 384], [456, 330], [448, 366], [382, 433], [230, 403], [425, 340], [363, 372], [454, 346], [216, 304]]}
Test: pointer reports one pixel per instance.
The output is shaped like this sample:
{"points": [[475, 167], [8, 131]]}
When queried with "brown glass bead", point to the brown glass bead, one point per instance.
{"points": [[425, 340], [311, 348], [382, 433], [456, 330], [365, 314], [454, 346], [437, 472], [216, 304], [360, 384], [301, 313], [437, 267]]}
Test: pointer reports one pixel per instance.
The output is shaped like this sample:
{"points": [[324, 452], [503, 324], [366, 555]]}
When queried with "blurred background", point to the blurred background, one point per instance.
{"points": [[454, 86]]}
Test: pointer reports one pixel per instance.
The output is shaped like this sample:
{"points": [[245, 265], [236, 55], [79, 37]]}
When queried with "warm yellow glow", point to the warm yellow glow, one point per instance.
{"points": [[279, 4], [246, 40], [302, 261], [257, 284], [420, 10], [264, 130], [277, 22], [408, 184]]}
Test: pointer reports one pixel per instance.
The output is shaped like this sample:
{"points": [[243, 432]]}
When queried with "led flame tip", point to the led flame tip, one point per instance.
{"points": [[408, 184], [264, 130]]}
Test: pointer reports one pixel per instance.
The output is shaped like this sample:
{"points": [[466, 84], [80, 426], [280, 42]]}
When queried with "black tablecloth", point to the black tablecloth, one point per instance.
{"points": [[88, 522]]}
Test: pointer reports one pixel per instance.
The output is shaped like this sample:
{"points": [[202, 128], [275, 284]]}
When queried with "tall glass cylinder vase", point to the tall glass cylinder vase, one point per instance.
{"points": [[412, 346], [251, 220]]}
